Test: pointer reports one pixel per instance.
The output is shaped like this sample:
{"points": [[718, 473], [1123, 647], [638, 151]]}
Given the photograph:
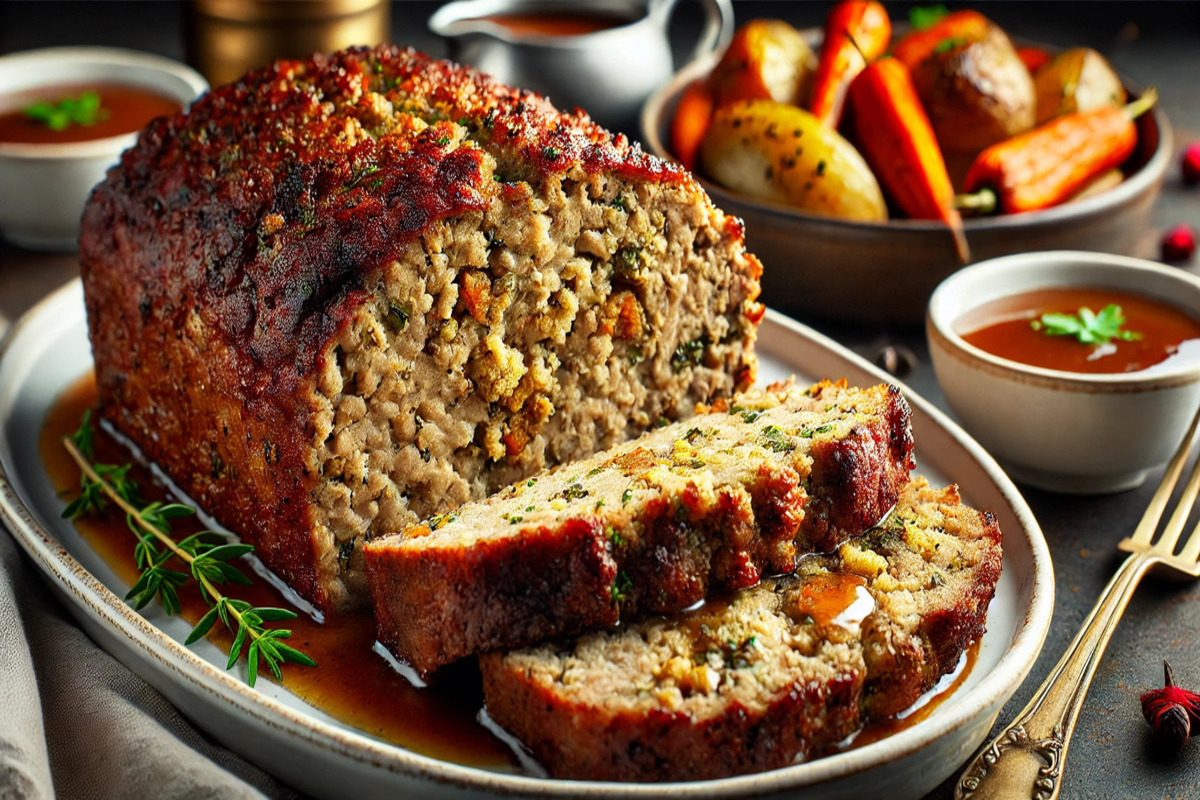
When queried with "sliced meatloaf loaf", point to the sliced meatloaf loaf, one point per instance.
{"points": [[773, 675], [344, 294], [703, 505]]}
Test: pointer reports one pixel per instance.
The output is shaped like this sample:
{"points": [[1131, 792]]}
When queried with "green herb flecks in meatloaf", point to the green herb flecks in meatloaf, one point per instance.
{"points": [[770, 676], [346, 293], [704, 505]]}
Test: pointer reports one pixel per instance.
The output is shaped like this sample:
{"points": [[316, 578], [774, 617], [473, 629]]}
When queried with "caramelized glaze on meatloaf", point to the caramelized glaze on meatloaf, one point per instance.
{"points": [[768, 677], [343, 294], [704, 505]]}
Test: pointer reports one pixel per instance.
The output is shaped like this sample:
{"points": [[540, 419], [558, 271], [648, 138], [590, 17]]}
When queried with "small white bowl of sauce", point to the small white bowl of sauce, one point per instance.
{"points": [[1078, 371], [66, 114]]}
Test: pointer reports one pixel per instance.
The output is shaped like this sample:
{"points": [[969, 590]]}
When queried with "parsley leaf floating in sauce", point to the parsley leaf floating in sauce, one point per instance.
{"points": [[1087, 326], [82, 110]]}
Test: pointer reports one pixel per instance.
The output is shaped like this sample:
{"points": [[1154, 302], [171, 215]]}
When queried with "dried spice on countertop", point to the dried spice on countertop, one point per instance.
{"points": [[1172, 711]]}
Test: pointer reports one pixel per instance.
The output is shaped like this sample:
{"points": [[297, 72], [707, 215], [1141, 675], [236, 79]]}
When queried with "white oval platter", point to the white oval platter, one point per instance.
{"points": [[48, 349]]}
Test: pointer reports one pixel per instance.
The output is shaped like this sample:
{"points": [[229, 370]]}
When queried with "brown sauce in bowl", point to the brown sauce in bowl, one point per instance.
{"points": [[351, 682], [556, 24], [123, 109], [1003, 328]]}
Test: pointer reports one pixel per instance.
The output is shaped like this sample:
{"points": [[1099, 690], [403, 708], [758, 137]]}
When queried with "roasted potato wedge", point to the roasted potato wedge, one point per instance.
{"points": [[1078, 79], [977, 93], [768, 59], [776, 151]]}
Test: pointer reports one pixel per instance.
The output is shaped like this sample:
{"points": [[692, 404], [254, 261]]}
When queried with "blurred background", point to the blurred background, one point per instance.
{"points": [[1138, 36]]}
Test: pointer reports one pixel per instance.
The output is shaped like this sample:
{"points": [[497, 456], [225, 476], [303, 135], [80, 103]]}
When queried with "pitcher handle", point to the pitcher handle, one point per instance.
{"points": [[718, 24]]}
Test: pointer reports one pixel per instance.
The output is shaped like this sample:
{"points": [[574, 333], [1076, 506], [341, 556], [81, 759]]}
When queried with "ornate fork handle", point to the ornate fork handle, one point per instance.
{"points": [[1026, 759]]}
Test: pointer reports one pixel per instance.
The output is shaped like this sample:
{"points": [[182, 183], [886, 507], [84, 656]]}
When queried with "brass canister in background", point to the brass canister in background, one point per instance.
{"points": [[227, 38]]}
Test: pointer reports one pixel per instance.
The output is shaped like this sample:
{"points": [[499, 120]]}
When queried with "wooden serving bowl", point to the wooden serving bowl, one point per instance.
{"points": [[884, 272]]}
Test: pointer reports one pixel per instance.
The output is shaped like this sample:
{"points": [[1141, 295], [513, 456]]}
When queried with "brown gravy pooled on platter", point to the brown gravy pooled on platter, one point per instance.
{"points": [[1002, 328], [353, 683], [123, 109]]}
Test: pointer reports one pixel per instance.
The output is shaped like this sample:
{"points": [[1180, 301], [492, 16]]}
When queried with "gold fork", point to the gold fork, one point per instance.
{"points": [[1026, 759]]}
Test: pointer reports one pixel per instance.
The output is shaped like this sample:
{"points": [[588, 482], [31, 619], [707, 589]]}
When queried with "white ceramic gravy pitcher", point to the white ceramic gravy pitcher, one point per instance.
{"points": [[607, 72]]}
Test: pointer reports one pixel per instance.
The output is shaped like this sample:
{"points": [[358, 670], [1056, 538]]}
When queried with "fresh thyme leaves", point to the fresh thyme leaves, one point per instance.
{"points": [[85, 436], [82, 110], [206, 554], [1087, 326]]}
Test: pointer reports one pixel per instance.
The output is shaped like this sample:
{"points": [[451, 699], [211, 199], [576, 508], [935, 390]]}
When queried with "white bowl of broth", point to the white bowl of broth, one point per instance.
{"points": [[1078, 371], [66, 115]]}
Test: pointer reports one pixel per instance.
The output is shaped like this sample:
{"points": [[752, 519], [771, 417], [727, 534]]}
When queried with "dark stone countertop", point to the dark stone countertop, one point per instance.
{"points": [[1155, 44]]}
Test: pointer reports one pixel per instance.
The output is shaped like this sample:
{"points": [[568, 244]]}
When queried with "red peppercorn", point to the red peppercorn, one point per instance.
{"points": [[1190, 163], [1178, 244], [1172, 711]]}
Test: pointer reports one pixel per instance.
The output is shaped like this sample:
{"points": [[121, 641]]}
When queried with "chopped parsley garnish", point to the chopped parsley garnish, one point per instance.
{"points": [[397, 316], [808, 434], [345, 550], [573, 492], [747, 414], [774, 438], [627, 261], [688, 354]]}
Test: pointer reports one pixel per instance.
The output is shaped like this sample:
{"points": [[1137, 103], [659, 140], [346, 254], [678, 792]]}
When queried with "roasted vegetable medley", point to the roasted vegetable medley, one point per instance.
{"points": [[949, 119]]}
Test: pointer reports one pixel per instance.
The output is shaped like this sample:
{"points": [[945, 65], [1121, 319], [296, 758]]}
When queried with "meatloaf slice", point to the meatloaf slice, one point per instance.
{"points": [[344, 294], [699, 506], [773, 675]]}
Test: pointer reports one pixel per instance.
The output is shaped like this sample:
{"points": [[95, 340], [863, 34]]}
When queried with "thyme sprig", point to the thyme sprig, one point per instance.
{"points": [[207, 555]]}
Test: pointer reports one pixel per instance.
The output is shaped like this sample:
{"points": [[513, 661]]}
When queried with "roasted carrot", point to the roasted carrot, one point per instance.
{"points": [[691, 122], [948, 32], [1050, 164], [894, 133], [856, 33], [1034, 58]]}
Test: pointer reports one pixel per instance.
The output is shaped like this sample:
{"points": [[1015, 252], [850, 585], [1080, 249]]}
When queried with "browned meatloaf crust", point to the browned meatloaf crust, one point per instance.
{"points": [[705, 505], [774, 675], [344, 294]]}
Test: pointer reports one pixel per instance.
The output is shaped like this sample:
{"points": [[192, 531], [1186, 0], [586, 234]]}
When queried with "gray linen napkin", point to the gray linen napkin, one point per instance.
{"points": [[74, 722]]}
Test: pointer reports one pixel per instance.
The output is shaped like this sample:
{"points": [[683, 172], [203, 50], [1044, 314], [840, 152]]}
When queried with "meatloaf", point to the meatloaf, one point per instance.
{"points": [[344, 294], [770, 676], [700, 506]]}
